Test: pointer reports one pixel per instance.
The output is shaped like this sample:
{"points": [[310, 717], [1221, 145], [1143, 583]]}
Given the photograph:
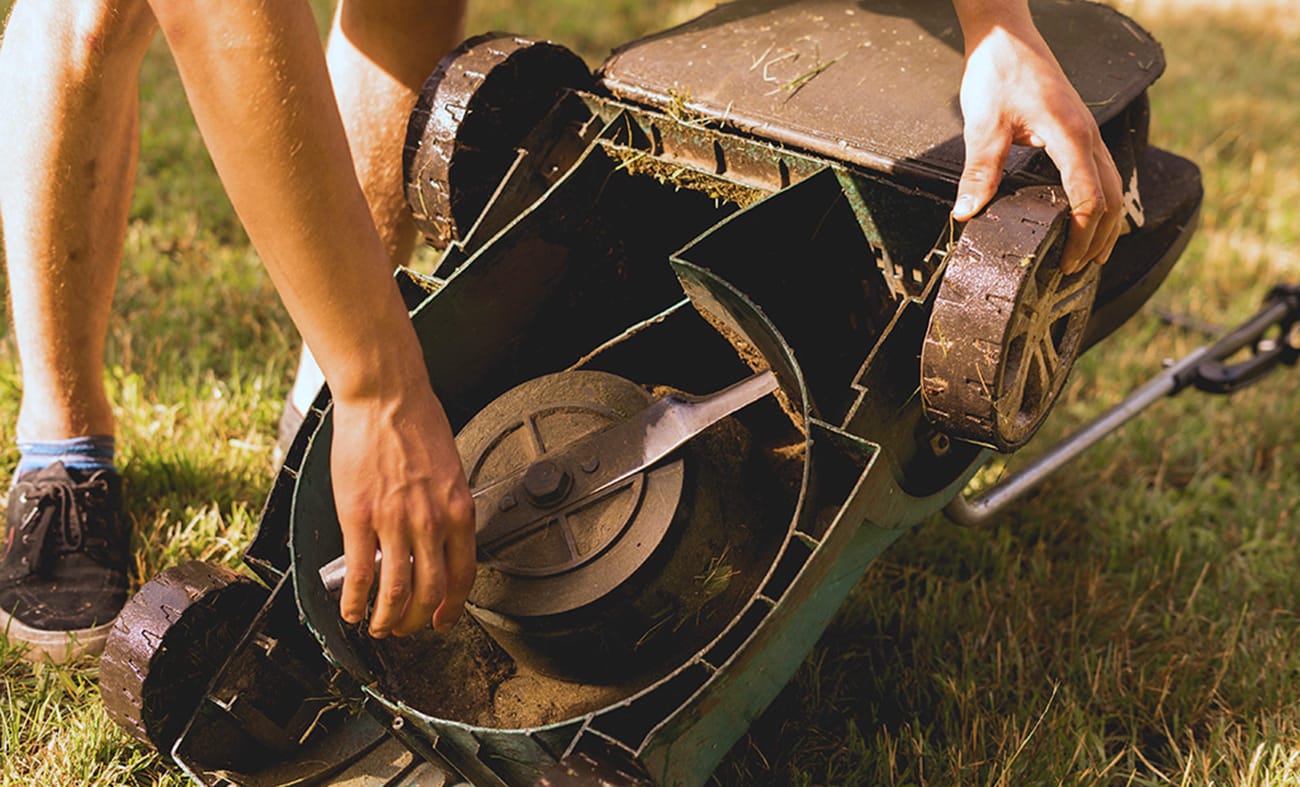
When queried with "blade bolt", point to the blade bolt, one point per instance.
{"points": [[591, 465], [547, 483], [940, 444], [507, 502]]}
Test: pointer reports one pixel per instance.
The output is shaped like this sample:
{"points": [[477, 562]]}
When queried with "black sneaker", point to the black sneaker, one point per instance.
{"points": [[64, 569]]}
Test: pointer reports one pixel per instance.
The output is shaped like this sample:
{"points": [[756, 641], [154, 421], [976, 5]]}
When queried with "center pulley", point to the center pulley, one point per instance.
{"points": [[593, 528], [540, 529]]}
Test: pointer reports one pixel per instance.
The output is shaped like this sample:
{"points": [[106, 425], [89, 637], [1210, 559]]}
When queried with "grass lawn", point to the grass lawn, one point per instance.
{"points": [[1134, 622]]}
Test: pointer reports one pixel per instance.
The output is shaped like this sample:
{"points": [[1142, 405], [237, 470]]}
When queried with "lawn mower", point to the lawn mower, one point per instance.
{"points": [[710, 343]]}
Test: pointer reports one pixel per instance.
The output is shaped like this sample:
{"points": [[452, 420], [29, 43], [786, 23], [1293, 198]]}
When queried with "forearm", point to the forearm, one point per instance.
{"points": [[274, 132], [1003, 23], [256, 78], [979, 18]]}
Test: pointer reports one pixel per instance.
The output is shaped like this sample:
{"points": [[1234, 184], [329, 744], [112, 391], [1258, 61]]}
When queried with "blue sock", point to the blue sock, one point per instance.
{"points": [[82, 453]]}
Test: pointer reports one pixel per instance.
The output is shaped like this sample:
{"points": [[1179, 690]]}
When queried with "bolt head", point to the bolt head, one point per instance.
{"points": [[940, 444], [546, 483]]}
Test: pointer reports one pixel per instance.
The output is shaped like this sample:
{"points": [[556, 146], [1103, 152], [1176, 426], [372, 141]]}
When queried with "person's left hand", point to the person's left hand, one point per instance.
{"points": [[1014, 91]]}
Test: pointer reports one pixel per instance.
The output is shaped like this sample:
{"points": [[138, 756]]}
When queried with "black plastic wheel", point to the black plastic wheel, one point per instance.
{"points": [[473, 113], [1007, 324], [168, 644]]}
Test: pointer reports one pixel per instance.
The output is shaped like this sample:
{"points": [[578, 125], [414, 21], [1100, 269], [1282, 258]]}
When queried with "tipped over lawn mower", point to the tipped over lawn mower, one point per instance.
{"points": [[710, 343]]}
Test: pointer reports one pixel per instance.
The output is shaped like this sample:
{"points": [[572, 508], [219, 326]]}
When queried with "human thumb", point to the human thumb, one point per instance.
{"points": [[985, 155]]}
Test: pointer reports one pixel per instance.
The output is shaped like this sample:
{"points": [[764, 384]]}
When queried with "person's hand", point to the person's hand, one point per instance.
{"points": [[1014, 91], [399, 486]]}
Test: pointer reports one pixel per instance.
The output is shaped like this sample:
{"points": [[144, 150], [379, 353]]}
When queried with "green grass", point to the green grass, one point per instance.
{"points": [[1132, 623]]}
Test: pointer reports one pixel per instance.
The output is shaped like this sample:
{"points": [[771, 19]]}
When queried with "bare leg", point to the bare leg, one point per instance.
{"points": [[70, 136], [379, 54], [69, 132]]}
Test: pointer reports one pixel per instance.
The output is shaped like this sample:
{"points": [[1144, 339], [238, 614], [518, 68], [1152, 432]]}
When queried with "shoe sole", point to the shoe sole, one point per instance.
{"points": [[56, 647]]}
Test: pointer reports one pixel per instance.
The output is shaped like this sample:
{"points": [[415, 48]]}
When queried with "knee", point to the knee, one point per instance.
{"points": [[364, 15], [104, 33], [404, 37]]}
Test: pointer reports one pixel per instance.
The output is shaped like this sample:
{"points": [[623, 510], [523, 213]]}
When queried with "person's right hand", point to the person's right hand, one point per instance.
{"points": [[399, 486]]}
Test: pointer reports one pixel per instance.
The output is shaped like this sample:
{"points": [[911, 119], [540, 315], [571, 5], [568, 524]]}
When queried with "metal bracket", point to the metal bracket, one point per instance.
{"points": [[1270, 336]]}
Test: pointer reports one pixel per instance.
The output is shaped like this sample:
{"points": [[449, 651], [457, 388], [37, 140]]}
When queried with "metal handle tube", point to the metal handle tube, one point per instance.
{"points": [[978, 510], [1215, 375]]}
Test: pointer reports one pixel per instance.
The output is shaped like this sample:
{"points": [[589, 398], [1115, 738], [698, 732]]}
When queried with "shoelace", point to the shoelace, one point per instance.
{"points": [[59, 498]]}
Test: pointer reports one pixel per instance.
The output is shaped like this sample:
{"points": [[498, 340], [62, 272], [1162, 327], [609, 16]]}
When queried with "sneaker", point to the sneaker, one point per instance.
{"points": [[64, 570]]}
